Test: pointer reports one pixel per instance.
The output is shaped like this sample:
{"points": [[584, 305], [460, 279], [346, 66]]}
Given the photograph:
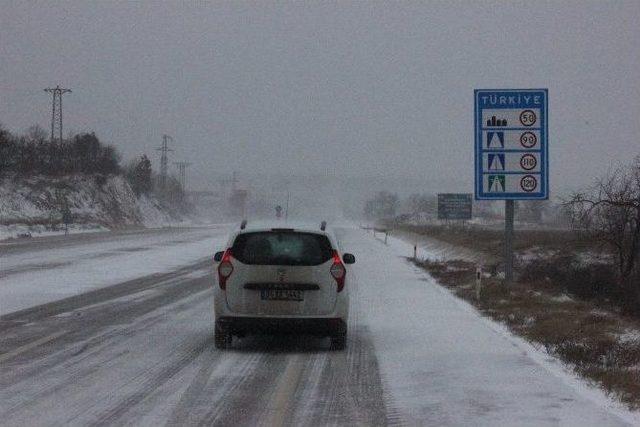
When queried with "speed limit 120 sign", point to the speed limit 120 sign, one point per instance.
{"points": [[511, 151]]}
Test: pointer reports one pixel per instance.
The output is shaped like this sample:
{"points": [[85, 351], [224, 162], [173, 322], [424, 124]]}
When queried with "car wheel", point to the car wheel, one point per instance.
{"points": [[339, 341], [222, 336]]}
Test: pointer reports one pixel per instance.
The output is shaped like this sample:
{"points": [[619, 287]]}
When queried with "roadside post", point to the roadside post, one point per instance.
{"points": [[67, 218], [478, 279], [511, 152]]}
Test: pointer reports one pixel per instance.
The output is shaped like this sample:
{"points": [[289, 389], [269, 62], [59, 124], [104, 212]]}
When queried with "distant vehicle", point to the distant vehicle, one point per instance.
{"points": [[290, 280]]}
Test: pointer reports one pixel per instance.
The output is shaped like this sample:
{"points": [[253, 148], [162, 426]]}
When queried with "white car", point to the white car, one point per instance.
{"points": [[281, 280]]}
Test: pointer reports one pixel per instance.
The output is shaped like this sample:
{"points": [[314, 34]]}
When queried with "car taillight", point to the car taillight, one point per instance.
{"points": [[338, 271], [225, 268]]}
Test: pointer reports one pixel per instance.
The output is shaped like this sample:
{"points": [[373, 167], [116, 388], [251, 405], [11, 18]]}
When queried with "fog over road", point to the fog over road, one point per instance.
{"points": [[141, 352]]}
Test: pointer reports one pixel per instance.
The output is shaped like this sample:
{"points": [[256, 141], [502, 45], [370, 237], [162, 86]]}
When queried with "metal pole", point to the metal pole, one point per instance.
{"points": [[53, 117], [509, 208], [286, 211], [478, 283], [182, 170], [60, 113], [164, 160]]}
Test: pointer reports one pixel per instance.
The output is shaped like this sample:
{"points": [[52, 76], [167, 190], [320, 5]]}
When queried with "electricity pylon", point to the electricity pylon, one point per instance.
{"points": [[182, 168], [56, 110], [164, 161]]}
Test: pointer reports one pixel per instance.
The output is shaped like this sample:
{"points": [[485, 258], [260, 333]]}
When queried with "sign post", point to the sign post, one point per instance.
{"points": [[511, 152], [478, 281], [454, 206], [509, 211]]}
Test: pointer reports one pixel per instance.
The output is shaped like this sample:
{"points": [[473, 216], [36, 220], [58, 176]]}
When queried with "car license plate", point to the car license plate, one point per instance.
{"points": [[281, 295]]}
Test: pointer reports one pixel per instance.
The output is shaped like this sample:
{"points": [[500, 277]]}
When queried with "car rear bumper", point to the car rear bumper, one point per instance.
{"points": [[312, 326]]}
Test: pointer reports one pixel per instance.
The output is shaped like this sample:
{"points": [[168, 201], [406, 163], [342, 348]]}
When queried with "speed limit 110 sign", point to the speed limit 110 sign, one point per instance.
{"points": [[511, 151]]}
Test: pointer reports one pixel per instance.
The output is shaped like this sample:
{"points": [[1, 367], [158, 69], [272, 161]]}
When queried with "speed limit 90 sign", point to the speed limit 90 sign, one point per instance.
{"points": [[511, 151], [528, 139]]}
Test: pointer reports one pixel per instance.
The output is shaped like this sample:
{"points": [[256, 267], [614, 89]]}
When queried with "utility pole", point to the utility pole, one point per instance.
{"points": [[286, 209], [164, 161], [56, 110], [182, 169]]}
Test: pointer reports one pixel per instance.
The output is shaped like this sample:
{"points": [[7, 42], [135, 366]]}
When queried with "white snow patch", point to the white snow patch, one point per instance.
{"points": [[42, 276], [629, 336], [446, 364], [34, 205], [562, 298], [19, 231]]}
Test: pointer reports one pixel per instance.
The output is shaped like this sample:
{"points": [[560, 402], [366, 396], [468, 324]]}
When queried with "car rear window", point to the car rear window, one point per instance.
{"points": [[282, 248]]}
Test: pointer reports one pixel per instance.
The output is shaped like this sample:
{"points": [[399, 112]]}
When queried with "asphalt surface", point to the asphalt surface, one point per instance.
{"points": [[141, 353], [20, 245]]}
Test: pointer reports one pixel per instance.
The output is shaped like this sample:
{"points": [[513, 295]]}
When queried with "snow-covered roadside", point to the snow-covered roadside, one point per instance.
{"points": [[30, 231], [43, 276], [34, 206], [518, 370]]}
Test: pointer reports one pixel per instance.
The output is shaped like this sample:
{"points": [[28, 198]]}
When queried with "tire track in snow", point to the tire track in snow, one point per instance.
{"points": [[109, 372], [149, 382], [344, 388], [220, 378], [102, 295], [246, 402], [86, 361]]}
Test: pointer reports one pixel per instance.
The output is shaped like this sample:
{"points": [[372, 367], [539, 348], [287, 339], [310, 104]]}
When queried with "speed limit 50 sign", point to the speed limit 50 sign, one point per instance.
{"points": [[511, 151]]}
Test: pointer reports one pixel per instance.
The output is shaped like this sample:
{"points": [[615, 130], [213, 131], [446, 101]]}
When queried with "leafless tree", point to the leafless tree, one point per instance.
{"points": [[610, 212], [383, 205], [421, 203]]}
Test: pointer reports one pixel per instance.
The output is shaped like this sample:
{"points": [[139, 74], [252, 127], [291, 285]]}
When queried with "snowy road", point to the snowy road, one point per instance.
{"points": [[39, 271], [141, 352]]}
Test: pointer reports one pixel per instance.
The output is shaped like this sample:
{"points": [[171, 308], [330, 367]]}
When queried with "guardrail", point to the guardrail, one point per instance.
{"points": [[378, 230]]}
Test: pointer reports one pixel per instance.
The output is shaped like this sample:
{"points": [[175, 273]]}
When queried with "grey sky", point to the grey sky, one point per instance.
{"points": [[326, 88]]}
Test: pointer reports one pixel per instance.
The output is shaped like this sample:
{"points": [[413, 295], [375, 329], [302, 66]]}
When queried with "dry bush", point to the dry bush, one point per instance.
{"points": [[566, 274], [576, 331]]}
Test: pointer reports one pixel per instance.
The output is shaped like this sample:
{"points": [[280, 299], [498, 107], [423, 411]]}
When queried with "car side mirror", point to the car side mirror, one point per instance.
{"points": [[218, 256], [348, 258]]}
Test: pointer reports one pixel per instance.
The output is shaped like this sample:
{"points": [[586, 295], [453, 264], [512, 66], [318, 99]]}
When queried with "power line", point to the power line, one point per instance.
{"points": [[56, 110]]}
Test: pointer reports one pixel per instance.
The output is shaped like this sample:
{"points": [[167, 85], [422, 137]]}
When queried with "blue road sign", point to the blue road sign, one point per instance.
{"points": [[511, 151], [456, 206]]}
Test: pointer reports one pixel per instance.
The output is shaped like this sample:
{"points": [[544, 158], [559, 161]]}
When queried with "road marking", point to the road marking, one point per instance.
{"points": [[31, 345], [284, 393]]}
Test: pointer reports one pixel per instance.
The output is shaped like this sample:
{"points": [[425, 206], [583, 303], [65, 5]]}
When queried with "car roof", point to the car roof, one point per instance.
{"points": [[259, 226], [270, 225]]}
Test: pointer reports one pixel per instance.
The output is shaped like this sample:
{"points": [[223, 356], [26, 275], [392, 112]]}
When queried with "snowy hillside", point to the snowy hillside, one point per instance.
{"points": [[36, 204]]}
